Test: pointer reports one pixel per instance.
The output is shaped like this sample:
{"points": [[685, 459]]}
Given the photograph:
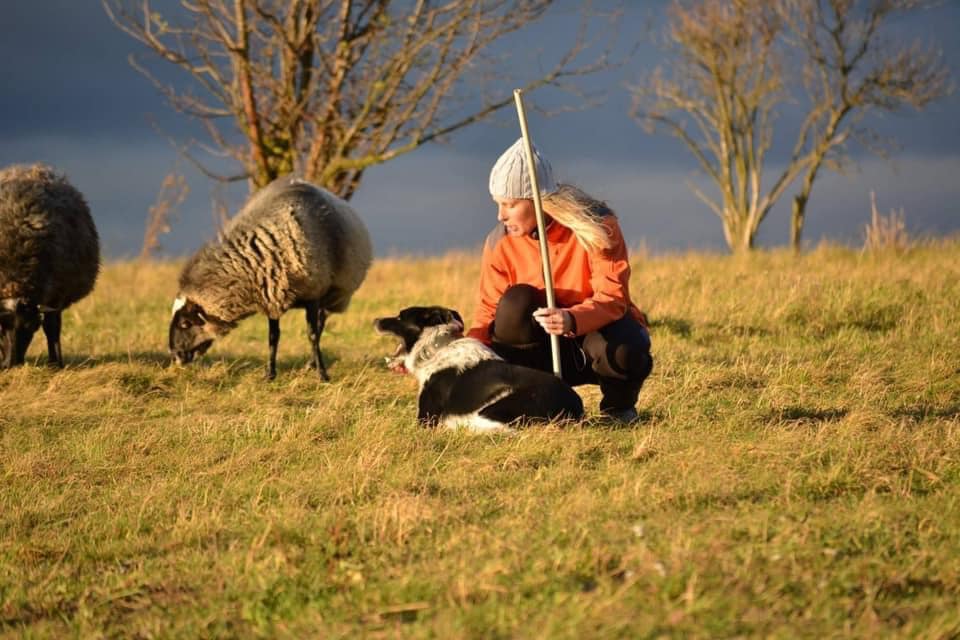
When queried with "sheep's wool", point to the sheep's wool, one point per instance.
{"points": [[49, 248], [291, 242]]}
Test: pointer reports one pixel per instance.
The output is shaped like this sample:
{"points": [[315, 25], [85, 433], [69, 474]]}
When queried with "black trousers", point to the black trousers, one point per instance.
{"points": [[616, 357]]}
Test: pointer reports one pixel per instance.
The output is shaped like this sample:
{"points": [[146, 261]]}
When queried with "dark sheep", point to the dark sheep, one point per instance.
{"points": [[49, 257]]}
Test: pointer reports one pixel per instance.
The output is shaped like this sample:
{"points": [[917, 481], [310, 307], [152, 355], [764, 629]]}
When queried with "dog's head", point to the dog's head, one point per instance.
{"points": [[408, 326]]}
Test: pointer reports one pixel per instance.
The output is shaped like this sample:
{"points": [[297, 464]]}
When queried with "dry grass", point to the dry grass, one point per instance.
{"points": [[796, 472], [887, 232]]}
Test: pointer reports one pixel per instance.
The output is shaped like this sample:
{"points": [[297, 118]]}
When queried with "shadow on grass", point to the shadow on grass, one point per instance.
{"points": [[80, 361], [684, 328], [679, 326], [738, 330], [152, 358], [234, 363], [698, 502], [602, 423], [798, 415], [923, 412], [865, 316]]}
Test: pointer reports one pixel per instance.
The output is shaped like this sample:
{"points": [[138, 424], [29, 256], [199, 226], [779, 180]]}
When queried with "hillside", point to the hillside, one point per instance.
{"points": [[796, 471]]}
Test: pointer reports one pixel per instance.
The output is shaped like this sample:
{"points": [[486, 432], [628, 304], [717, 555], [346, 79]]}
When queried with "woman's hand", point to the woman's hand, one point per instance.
{"points": [[554, 321]]}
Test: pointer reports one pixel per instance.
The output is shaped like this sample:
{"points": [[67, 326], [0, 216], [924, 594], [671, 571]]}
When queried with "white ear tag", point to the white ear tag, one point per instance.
{"points": [[178, 304]]}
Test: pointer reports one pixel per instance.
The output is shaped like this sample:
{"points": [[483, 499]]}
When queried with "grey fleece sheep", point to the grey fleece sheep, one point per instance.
{"points": [[292, 245], [49, 257]]}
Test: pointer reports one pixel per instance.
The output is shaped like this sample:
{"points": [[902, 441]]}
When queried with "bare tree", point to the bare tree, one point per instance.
{"points": [[851, 68], [718, 97], [329, 88], [729, 76]]}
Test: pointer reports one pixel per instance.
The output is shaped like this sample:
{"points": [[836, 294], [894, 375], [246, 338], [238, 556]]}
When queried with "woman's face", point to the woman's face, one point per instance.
{"points": [[517, 215]]}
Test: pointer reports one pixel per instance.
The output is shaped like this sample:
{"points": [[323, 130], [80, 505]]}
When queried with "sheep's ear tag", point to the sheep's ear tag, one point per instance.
{"points": [[178, 304]]}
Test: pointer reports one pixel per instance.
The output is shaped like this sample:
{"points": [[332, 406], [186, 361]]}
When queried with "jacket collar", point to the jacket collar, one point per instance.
{"points": [[548, 225]]}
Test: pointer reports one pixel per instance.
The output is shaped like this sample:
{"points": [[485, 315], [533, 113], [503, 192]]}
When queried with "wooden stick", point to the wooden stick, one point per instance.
{"points": [[541, 227]]}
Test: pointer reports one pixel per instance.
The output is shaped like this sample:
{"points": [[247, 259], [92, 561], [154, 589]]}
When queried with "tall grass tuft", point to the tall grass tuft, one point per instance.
{"points": [[885, 233]]}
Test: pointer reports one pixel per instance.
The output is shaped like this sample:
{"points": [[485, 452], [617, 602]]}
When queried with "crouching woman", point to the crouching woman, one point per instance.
{"points": [[604, 338]]}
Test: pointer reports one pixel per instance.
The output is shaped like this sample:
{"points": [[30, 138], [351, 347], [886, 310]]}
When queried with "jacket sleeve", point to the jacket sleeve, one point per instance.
{"points": [[609, 279], [494, 280]]}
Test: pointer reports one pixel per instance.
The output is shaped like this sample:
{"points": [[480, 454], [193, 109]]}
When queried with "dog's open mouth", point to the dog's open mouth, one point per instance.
{"points": [[395, 362]]}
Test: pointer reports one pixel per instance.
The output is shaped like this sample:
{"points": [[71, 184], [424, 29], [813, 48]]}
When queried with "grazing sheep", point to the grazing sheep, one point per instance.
{"points": [[292, 245], [49, 257]]}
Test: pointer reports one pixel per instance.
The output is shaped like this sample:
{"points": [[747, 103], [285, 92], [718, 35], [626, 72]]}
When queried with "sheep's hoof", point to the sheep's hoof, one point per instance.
{"points": [[320, 368], [270, 375]]}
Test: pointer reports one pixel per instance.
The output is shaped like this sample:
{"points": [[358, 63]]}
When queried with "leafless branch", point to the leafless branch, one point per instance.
{"points": [[729, 76], [330, 88], [173, 191]]}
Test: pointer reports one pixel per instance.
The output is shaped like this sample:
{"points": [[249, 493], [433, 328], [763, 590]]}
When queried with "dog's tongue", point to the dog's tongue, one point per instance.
{"points": [[395, 363]]}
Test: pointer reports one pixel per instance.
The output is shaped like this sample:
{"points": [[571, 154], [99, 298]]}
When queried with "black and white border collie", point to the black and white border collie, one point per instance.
{"points": [[463, 383]]}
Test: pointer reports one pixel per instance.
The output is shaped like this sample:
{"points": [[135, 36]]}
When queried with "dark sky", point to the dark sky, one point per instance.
{"points": [[69, 97]]}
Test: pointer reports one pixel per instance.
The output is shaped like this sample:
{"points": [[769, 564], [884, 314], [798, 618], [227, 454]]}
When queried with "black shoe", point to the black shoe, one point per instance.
{"points": [[627, 415]]}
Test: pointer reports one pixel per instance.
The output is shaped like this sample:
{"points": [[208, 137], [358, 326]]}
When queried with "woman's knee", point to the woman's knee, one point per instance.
{"points": [[622, 360], [635, 360], [521, 298], [513, 322]]}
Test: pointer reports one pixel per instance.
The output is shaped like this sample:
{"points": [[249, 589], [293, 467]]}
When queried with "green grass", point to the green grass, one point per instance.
{"points": [[796, 472]]}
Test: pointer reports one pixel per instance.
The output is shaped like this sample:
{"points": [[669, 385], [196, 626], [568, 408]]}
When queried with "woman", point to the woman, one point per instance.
{"points": [[604, 338]]}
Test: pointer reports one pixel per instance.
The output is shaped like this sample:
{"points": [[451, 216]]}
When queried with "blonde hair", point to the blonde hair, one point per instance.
{"points": [[581, 213]]}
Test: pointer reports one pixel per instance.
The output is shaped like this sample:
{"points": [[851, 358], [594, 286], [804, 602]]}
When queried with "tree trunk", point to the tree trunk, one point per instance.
{"points": [[796, 222], [738, 233]]}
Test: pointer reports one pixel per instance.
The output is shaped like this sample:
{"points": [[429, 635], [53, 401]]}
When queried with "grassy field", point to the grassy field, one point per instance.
{"points": [[796, 472]]}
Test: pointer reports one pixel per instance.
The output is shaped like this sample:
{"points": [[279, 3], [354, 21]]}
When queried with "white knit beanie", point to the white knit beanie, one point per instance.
{"points": [[510, 177]]}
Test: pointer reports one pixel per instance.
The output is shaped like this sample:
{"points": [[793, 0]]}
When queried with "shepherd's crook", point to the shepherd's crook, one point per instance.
{"points": [[541, 227]]}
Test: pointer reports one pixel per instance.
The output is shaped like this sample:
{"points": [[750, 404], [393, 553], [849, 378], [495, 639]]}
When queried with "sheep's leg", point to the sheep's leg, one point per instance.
{"points": [[321, 322], [274, 337], [51, 328], [316, 319]]}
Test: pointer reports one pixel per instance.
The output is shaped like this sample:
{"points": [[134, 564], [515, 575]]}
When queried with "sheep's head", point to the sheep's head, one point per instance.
{"points": [[18, 322], [191, 331]]}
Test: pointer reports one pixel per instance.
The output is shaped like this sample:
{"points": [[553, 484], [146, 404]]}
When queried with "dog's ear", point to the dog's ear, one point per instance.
{"points": [[440, 315], [432, 316]]}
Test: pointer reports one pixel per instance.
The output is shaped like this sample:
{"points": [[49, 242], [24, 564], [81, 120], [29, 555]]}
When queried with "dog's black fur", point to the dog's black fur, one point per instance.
{"points": [[463, 382], [410, 323]]}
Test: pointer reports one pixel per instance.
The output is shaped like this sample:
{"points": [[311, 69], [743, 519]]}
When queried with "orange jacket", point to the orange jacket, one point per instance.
{"points": [[593, 285]]}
